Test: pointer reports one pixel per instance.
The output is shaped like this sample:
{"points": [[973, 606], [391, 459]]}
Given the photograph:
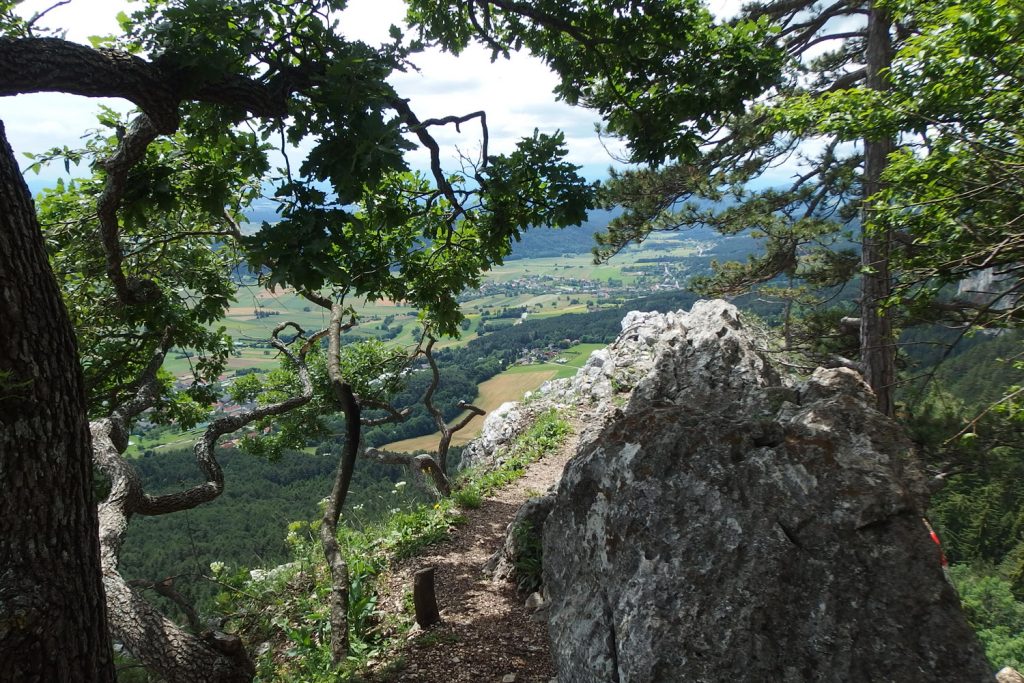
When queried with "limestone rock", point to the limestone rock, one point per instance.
{"points": [[725, 525], [1009, 675], [501, 427]]}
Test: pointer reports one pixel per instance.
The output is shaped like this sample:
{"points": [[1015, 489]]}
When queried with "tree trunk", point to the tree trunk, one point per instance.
{"points": [[878, 347], [424, 598], [336, 501], [161, 645], [53, 623]]}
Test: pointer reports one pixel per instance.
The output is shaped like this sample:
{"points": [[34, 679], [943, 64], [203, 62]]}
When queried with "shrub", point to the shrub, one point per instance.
{"points": [[994, 613]]}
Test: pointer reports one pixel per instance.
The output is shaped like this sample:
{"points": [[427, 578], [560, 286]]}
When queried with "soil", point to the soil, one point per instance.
{"points": [[486, 633]]}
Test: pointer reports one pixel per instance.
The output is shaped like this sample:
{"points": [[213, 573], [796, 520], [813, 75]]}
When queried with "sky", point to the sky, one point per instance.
{"points": [[516, 93]]}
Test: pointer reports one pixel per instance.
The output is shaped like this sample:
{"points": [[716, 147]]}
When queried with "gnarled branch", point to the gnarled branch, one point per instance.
{"points": [[29, 65], [157, 641], [447, 430]]}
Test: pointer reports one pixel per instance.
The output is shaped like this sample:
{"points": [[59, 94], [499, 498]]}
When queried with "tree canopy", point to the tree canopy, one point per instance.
{"points": [[902, 117], [905, 116], [145, 248]]}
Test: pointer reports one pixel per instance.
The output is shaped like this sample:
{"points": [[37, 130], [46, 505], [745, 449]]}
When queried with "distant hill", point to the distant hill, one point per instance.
{"points": [[536, 243], [548, 242]]}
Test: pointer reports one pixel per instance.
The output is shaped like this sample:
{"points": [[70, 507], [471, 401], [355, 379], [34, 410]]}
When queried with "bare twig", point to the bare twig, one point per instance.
{"points": [[447, 430]]}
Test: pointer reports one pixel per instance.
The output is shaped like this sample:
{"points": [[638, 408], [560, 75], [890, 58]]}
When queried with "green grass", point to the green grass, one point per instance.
{"points": [[165, 439], [575, 358], [290, 610], [545, 436]]}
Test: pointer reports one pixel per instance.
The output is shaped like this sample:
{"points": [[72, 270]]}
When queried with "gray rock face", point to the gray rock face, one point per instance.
{"points": [[725, 526], [501, 427]]}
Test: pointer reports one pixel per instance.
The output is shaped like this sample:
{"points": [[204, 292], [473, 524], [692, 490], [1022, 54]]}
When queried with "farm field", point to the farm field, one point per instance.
{"points": [[544, 287], [508, 386], [534, 288], [162, 440], [575, 358]]}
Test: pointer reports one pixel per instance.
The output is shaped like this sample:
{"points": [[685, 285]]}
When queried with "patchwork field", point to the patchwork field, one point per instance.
{"points": [[508, 386], [544, 287], [538, 287]]}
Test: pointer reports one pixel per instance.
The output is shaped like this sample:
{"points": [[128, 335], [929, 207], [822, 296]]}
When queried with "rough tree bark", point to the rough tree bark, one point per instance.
{"points": [[52, 619], [878, 347], [342, 480]]}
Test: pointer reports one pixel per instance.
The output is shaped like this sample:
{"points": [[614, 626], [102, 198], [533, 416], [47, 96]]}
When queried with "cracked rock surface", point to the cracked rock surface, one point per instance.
{"points": [[724, 525]]}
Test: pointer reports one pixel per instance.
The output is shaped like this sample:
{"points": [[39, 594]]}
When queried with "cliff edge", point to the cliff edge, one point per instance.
{"points": [[720, 522]]}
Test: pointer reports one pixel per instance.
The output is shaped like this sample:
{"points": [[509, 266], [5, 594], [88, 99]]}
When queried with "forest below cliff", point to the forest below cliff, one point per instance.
{"points": [[856, 166]]}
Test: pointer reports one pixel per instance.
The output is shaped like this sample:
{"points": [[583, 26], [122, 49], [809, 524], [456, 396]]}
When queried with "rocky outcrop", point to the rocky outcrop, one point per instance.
{"points": [[719, 524], [500, 429], [1009, 675]]}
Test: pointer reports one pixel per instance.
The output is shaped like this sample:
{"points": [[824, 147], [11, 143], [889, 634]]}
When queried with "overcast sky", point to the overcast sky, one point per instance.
{"points": [[516, 93]]}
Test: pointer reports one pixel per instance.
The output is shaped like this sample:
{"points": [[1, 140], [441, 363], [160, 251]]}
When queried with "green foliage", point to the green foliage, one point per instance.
{"points": [[468, 496], [980, 510], [669, 80], [179, 182], [544, 436], [994, 613], [288, 606], [538, 169], [247, 524], [958, 84], [529, 561], [951, 191], [351, 216], [661, 74], [375, 371]]}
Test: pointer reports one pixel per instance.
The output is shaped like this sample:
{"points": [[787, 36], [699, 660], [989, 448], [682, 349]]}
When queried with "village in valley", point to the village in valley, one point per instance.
{"points": [[522, 289]]}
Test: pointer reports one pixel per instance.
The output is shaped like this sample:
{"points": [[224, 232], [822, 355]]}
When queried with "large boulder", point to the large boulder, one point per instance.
{"points": [[724, 526]]}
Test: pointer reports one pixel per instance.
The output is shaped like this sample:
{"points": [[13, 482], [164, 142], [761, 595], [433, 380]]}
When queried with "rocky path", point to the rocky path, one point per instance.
{"points": [[487, 634]]}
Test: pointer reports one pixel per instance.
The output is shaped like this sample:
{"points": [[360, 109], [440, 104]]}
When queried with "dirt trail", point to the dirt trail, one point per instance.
{"points": [[486, 634]]}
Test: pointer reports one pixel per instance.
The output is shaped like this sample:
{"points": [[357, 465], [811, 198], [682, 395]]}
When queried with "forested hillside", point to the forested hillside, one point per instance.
{"points": [[572, 240], [249, 525], [849, 172]]}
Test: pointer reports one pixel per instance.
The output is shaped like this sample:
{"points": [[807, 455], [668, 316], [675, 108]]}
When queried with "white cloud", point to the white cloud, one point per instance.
{"points": [[515, 93], [724, 9], [81, 18]]}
